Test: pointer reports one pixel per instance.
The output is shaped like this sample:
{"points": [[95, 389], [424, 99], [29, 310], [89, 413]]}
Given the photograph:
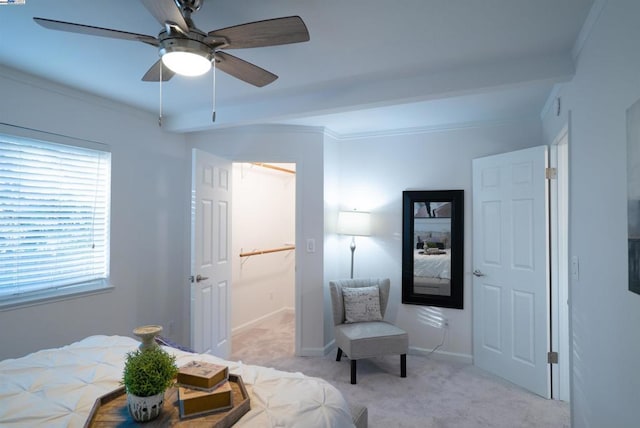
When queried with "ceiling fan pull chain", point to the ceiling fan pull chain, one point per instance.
{"points": [[213, 116], [160, 109]]}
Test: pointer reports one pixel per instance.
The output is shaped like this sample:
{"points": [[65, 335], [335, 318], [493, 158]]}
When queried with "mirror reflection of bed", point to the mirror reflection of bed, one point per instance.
{"points": [[432, 248]]}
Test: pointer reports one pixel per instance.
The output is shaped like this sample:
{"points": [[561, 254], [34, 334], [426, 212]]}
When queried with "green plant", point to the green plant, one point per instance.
{"points": [[149, 372]]}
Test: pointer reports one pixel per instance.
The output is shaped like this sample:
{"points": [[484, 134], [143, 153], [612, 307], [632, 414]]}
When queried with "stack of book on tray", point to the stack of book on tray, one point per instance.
{"points": [[203, 388]]}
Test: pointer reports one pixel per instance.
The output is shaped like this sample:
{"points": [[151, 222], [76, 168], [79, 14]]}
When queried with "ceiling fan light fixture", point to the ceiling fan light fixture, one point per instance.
{"points": [[186, 57], [186, 63]]}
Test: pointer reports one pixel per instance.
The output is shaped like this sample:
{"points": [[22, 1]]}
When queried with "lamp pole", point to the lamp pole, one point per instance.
{"points": [[354, 223], [353, 250]]}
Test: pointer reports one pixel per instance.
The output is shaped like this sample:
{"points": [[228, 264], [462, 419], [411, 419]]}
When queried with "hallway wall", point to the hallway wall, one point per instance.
{"points": [[605, 342]]}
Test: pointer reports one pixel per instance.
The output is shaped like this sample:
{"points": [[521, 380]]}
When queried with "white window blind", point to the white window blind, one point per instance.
{"points": [[54, 216]]}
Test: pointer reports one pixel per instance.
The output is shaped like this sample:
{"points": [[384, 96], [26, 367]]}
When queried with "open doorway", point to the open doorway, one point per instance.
{"points": [[263, 272]]}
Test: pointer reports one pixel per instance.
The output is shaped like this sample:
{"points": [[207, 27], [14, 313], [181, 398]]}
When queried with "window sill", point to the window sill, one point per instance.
{"points": [[50, 296]]}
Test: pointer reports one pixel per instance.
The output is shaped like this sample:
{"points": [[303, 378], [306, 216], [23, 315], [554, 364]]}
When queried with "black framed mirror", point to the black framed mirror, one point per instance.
{"points": [[432, 247]]}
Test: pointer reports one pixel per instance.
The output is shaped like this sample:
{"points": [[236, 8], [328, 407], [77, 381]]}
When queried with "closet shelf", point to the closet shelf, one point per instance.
{"points": [[270, 250], [277, 168]]}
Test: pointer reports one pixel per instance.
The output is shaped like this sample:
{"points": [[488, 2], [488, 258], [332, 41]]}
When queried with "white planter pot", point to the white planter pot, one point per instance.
{"points": [[144, 409]]}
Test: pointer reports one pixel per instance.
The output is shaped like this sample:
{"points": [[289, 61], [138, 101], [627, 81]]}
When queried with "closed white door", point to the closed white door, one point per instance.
{"points": [[511, 267], [210, 253]]}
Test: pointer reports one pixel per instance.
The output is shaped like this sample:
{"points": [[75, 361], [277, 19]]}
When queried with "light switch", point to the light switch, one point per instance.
{"points": [[311, 245]]}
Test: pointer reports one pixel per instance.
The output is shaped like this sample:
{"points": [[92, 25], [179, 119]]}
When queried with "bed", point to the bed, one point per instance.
{"points": [[432, 271], [58, 387], [432, 264]]}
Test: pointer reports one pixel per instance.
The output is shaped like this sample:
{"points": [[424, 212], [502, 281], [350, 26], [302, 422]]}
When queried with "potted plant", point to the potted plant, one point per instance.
{"points": [[147, 375]]}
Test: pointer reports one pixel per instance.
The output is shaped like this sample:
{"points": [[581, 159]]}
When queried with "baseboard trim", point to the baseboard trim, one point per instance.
{"points": [[312, 352], [317, 352], [442, 355], [260, 320]]}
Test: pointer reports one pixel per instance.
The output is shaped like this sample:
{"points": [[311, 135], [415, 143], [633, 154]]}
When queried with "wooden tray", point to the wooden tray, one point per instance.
{"points": [[111, 410]]}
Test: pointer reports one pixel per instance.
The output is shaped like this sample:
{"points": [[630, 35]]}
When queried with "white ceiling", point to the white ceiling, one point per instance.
{"points": [[370, 66]]}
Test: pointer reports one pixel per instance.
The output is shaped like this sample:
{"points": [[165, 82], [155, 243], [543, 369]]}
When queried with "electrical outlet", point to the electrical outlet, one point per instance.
{"points": [[445, 323], [575, 268]]}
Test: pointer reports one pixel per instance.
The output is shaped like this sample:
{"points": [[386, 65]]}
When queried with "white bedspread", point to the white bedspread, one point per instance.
{"points": [[57, 388], [432, 265]]}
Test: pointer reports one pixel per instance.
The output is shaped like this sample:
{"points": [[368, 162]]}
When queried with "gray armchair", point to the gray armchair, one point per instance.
{"points": [[365, 334]]}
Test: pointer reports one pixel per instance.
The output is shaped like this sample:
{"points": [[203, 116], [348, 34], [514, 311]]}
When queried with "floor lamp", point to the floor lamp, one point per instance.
{"points": [[354, 223]]}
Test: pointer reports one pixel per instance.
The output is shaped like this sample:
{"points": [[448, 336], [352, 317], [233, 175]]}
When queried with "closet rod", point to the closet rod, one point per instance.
{"points": [[277, 168], [271, 250]]}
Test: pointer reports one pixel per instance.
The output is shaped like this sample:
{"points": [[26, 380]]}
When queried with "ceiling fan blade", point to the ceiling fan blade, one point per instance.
{"points": [[166, 11], [153, 74], [95, 31], [271, 32], [243, 70]]}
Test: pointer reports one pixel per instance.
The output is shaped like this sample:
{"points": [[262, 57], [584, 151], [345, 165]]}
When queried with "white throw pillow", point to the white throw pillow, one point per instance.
{"points": [[361, 304]]}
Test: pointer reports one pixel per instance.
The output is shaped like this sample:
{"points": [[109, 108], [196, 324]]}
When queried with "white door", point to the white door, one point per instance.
{"points": [[511, 267], [210, 253]]}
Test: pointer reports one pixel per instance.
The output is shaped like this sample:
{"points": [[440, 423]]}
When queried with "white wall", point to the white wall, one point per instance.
{"points": [[333, 249], [304, 147], [148, 219], [373, 172], [605, 316], [263, 213]]}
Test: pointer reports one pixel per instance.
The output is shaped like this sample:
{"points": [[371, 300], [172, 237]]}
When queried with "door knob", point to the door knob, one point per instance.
{"points": [[477, 273], [198, 278]]}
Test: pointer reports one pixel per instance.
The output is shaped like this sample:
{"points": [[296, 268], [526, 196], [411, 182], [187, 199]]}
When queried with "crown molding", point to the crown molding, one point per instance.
{"points": [[69, 92], [427, 129], [587, 28]]}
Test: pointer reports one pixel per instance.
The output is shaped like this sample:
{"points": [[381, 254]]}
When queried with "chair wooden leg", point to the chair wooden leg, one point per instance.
{"points": [[353, 372], [339, 355], [403, 365]]}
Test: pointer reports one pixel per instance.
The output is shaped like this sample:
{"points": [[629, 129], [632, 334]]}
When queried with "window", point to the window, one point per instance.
{"points": [[54, 219]]}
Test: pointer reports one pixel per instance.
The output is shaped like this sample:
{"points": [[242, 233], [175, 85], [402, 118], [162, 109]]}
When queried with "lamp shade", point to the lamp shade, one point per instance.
{"points": [[355, 223]]}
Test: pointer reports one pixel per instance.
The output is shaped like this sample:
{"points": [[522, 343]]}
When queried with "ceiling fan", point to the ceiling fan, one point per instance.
{"points": [[186, 50]]}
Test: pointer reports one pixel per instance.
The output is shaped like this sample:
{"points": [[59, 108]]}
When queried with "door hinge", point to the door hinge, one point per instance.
{"points": [[550, 173], [552, 357]]}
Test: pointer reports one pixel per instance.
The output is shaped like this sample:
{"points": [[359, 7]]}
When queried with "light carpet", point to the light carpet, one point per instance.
{"points": [[436, 393]]}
